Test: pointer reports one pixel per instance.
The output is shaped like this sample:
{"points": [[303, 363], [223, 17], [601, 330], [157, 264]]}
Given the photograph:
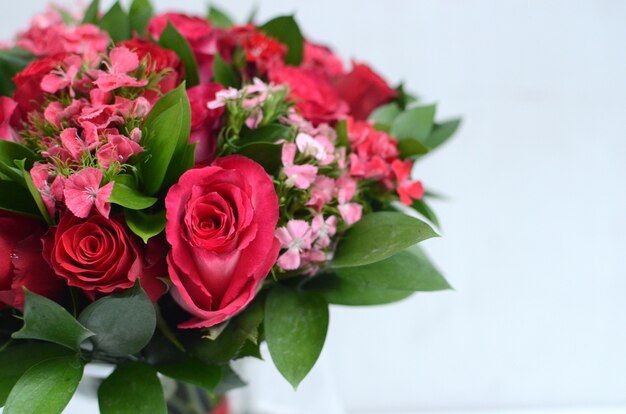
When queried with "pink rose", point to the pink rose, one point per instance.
{"points": [[21, 262], [312, 93], [205, 122], [323, 60], [364, 90], [220, 224]]}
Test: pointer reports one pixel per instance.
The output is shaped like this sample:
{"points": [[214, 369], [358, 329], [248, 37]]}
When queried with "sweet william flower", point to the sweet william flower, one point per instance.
{"points": [[83, 191], [122, 61], [408, 190], [220, 224], [7, 111], [62, 78], [296, 237]]}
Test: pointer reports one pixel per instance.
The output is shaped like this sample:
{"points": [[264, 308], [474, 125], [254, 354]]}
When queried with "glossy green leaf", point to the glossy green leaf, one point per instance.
{"points": [[412, 128], [386, 114], [18, 358], [224, 73], [269, 134], [12, 61], [173, 40], [266, 154], [338, 291], [145, 225], [91, 14], [133, 388], [10, 151], [193, 371], [362, 245], [116, 23], [123, 323], [408, 270], [17, 199], [296, 324], [219, 19], [48, 321], [286, 30], [130, 198], [442, 132], [424, 209], [47, 387], [139, 15], [160, 142]]}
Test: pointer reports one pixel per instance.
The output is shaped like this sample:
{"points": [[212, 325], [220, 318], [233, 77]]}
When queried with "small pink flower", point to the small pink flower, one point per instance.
{"points": [[351, 212], [56, 113], [408, 190], [60, 79], [83, 191], [122, 62], [288, 154], [346, 188], [310, 147], [322, 192], [254, 120], [295, 237], [301, 176], [222, 97], [119, 149], [7, 110], [323, 230], [77, 145]]}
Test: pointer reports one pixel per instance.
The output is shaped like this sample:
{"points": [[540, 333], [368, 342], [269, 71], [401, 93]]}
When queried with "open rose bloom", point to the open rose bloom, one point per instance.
{"points": [[176, 192]]}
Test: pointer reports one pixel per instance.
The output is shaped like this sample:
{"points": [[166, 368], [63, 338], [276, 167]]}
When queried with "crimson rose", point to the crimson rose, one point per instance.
{"points": [[98, 255], [220, 224], [364, 90], [21, 262]]}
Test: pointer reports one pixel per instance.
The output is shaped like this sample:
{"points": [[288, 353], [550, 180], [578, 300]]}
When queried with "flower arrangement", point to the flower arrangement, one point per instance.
{"points": [[175, 190]]}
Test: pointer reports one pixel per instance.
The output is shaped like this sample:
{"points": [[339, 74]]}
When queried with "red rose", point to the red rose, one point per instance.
{"points": [[28, 93], [98, 255], [21, 261], [158, 60], [364, 91], [202, 38], [312, 93], [205, 122], [220, 224]]}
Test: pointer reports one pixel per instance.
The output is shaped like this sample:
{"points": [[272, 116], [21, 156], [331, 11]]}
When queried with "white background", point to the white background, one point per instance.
{"points": [[535, 229]]}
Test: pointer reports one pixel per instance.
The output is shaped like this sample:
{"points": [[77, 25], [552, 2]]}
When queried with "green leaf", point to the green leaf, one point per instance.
{"points": [[404, 98], [219, 19], [130, 198], [160, 145], [265, 153], [424, 209], [145, 225], [286, 30], [269, 134], [12, 61], [18, 358], [386, 114], [17, 199], [379, 236], [193, 371], [91, 14], [408, 270], [412, 128], [228, 345], [133, 388], [295, 328], [139, 15], [10, 151], [48, 321], [116, 23], [47, 387], [34, 193], [338, 291], [442, 132], [166, 140], [224, 73], [173, 40], [123, 323]]}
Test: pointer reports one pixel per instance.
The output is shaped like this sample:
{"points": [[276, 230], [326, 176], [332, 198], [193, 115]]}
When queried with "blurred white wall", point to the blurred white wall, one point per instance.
{"points": [[535, 231]]}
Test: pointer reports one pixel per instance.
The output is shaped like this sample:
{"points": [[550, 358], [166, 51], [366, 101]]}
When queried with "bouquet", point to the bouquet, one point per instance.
{"points": [[176, 190]]}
